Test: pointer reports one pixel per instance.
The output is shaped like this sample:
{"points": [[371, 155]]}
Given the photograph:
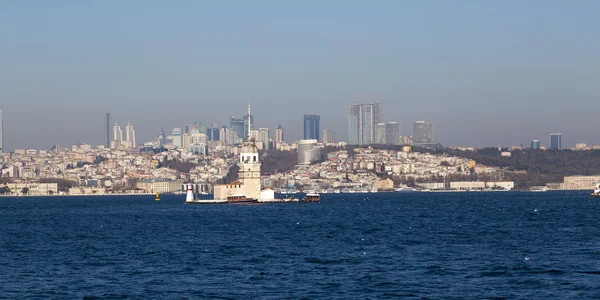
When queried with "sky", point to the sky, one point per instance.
{"points": [[486, 73]]}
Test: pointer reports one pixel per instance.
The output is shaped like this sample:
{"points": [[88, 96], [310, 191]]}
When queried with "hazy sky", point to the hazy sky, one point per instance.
{"points": [[484, 72]]}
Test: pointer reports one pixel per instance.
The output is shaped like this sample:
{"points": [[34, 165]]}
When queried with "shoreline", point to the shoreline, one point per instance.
{"points": [[87, 195]]}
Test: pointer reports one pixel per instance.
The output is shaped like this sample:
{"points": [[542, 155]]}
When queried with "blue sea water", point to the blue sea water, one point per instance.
{"points": [[503, 245]]}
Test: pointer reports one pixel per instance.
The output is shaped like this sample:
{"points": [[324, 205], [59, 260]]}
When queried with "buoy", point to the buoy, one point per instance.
{"points": [[157, 198]]}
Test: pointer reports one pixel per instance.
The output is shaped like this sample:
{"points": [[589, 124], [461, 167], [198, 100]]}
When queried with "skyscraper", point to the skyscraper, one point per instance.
{"points": [[278, 134], [263, 136], [225, 135], [311, 127], [308, 152], [107, 138], [423, 133], [380, 134], [237, 126], [213, 133], [535, 144], [362, 120], [177, 142], [117, 136], [556, 141], [240, 126], [328, 136], [392, 133], [129, 136]]}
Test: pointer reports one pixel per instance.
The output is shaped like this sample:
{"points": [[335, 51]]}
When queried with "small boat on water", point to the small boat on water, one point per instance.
{"points": [[596, 192], [240, 199], [311, 197], [157, 197], [406, 190], [538, 189]]}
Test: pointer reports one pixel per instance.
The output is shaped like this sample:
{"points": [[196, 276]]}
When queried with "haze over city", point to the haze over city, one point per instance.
{"points": [[485, 73]]}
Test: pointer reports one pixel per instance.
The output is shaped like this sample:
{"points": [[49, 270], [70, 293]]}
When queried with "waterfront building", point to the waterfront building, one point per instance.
{"points": [[328, 136], [129, 136], [556, 141], [33, 189], [581, 182], [311, 127], [535, 144], [107, 138], [177, 141], [362, 119], [423, 133], [308, 152], [278, 134], [159, 185]]}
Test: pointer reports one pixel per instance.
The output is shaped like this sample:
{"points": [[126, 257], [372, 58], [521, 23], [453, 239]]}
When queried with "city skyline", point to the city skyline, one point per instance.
{"points": [[523, 72]]}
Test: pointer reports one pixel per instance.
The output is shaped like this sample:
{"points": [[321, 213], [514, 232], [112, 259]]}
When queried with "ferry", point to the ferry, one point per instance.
{"points": [[311, 197], [240, 199], [596, 192]]}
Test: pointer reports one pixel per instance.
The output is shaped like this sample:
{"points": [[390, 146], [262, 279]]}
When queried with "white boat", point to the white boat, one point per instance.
{"points": [[596, 192], [406, 190], [538, 189]]}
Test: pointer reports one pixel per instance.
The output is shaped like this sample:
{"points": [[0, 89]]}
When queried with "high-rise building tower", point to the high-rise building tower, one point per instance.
{"points": [[129, 136], [263, 136], [380, 134], [278, 135], [117, 136], [107, 138], [392, 133], [362, 120], [556, 141], [213, 133], [328, 136], [311, 127], [225, 135], [535, 144], [237, 126], [177, 141], [423, 133]]}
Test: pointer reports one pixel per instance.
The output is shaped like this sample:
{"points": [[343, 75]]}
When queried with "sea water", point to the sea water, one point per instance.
{"points": [[492, 245]]}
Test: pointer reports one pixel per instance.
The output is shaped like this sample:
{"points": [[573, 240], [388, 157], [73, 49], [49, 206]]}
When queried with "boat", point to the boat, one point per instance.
{"points": [[406, 190], [596, 192], [538, 189], [311, 197], [157, 198], [240, 199]]}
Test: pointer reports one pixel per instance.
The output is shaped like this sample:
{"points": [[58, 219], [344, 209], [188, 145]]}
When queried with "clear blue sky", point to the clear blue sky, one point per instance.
{"points": [[484, 72]]}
